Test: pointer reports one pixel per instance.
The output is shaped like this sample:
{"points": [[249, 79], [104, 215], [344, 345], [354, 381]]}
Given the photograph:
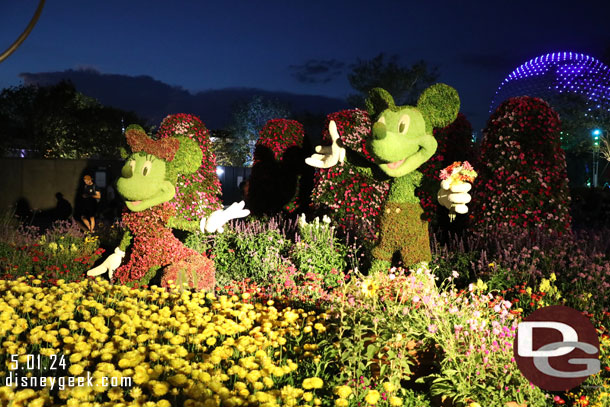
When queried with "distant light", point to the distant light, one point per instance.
{"points": [[596, 133], [560, 72], [219, 171]]}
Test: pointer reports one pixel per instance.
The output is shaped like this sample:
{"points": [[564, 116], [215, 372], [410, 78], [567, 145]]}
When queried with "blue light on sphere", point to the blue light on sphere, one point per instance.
{"points": [[550, 75]]}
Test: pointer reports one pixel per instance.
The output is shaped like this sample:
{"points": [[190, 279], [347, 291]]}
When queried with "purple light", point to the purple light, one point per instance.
{"points": [[554, 73]]}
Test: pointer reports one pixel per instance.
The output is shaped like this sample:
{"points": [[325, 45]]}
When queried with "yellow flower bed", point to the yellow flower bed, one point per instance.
{"points": [[151, 347]]}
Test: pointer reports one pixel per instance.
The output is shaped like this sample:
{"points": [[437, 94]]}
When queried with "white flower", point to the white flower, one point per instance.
{"points": [[302, 220]]}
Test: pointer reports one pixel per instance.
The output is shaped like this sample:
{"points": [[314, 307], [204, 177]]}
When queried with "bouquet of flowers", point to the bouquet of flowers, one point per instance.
{"points": [[455, 175]]}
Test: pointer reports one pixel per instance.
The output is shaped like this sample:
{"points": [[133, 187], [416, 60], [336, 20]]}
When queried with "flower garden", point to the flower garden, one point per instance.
{"points": [[296, 315]]}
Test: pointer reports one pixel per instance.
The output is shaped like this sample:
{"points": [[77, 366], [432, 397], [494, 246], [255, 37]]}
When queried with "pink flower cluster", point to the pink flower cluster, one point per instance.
{"points": [[197, 194], [350, 197], [523, 180], [458, 172], [279, 135], [154, 245]]}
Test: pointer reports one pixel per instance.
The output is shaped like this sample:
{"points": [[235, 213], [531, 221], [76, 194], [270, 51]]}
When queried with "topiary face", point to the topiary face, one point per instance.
{"points": [[143, 182], [402, 137], [400, 142], [148, 178]]}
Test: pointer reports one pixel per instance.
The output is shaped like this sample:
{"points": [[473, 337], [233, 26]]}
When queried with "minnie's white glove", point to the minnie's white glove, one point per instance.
{"points": [[215, 222], [328, 156], [111, 263]]}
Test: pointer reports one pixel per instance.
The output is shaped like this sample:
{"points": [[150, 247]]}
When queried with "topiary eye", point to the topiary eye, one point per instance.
{"points": [[146, 168], [127, 170], [403, 124]]}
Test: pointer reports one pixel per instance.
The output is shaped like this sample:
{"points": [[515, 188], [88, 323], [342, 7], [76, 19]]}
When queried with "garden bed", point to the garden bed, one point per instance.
{"points": [[288, 326]]}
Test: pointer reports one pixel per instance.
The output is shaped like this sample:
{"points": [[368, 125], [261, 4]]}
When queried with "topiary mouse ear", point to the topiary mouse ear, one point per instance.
{"points": [[187, 160], [439, 104], [379, 100]]}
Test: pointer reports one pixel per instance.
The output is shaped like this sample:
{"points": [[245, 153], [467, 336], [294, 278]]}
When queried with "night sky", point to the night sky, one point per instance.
{"points": [[304, 47]]}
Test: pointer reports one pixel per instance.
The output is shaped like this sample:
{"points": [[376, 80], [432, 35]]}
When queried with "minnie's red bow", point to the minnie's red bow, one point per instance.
{"points": [[165, 148]]}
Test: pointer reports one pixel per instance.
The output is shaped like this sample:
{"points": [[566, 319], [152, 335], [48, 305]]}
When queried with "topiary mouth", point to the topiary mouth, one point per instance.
{"points": [[164, 194], [396, 164]]}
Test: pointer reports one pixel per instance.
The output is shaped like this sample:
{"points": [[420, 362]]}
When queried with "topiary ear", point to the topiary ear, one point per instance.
{"points": [[136, 127], [379, 100], [187, 160], [439, 104]]}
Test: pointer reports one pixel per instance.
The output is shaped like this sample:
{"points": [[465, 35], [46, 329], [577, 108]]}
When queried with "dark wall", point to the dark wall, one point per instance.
{"points": [[230, 178], [35, 182]]}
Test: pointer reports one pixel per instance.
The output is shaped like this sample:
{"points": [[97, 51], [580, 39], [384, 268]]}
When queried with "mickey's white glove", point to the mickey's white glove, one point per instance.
{"points": [[215, 222], [328, 156], [111, 263], [454, 197]]}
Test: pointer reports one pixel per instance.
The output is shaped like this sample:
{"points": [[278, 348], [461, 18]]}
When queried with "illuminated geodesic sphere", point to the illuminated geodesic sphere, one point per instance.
{"points": [[550, 75]]}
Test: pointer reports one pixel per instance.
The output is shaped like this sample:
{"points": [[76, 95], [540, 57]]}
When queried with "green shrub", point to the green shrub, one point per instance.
{"points": [[63, 252], [318, 251], [251, 249]]}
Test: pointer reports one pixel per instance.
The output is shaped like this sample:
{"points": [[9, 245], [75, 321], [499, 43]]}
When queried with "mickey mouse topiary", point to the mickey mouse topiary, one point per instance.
{"points": [[401, 140]]}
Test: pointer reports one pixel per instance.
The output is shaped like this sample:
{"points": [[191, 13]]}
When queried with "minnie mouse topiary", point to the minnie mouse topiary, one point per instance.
{"points": [[148, 185]]}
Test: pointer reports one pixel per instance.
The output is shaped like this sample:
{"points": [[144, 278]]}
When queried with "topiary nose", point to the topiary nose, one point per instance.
{"points": [[379, 131]]}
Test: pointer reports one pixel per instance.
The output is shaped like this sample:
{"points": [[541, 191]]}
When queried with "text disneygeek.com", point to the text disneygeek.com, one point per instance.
{"points": [[49, 369]]}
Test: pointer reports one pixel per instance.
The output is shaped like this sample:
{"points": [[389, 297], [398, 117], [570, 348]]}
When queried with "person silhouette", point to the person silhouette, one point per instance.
{"points": [[91, 197], [63, 209]]}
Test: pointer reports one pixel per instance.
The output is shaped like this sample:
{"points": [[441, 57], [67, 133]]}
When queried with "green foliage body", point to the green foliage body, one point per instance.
{"points": [[401, 141]]}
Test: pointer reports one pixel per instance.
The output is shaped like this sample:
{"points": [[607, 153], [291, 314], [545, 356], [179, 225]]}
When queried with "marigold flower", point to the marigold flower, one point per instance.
{"points": [[343, 391], [313, 383], [159, 388], [76, 369], [389, 387], [395, 401], [372, 397]]}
